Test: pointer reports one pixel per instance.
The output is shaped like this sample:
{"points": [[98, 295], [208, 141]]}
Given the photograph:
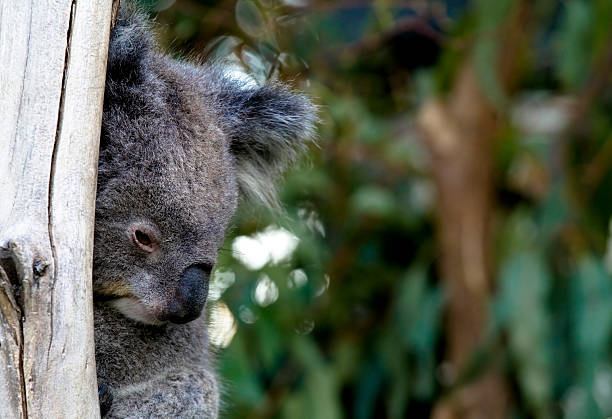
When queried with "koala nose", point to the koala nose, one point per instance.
{"points": [[191, 294]]}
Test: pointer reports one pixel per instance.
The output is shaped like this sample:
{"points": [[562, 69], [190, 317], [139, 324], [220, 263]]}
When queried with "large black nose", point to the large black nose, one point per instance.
{"points": [[191, 294]]}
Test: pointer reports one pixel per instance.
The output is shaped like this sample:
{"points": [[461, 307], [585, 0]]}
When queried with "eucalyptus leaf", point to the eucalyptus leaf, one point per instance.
{"points": [[574, 48], [249, 18], [524, 289]]}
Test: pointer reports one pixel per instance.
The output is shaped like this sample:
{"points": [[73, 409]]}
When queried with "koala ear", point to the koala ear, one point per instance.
{"points": [[267, 127], [131, 45]]}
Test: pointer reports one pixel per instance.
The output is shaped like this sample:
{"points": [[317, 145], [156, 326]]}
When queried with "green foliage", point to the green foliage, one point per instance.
{"points": [[524, 287], [351, 322], [574, 46]]}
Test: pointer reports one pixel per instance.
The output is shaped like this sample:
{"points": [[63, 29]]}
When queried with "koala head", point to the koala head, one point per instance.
{"points": [[179, 144]]}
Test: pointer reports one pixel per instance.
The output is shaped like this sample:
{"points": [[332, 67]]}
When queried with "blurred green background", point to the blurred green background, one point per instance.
{"points": [[339, 306]]}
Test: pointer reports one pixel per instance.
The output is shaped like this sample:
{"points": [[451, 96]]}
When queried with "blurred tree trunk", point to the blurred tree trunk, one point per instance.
{"points": [[52, 72], [460, 134]]}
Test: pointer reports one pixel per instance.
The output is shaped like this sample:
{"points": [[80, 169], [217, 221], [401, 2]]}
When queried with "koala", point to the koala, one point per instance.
{"points": [[180, 144]]}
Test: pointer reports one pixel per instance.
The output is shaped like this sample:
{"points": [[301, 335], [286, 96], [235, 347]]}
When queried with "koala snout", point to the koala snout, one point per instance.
{"points": [[191, 295]]}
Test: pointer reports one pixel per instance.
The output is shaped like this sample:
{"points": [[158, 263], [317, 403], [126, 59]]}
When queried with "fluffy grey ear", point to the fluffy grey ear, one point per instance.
{"points": [[131, 46], [267, 126]]}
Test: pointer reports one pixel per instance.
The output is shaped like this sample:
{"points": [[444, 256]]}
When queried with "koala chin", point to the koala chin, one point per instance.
{"points": [[133, 309], [180, 144]]}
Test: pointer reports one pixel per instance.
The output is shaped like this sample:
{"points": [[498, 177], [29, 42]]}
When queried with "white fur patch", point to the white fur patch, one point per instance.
{"points": [[133, 309]]}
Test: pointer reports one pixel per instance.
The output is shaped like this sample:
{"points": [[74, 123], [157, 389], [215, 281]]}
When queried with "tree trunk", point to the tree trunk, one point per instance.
{"points": [[52, 72], [460, 133]]}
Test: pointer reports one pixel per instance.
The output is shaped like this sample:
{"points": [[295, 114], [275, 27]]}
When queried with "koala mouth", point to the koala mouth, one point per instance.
{"points": [[133, 309]]}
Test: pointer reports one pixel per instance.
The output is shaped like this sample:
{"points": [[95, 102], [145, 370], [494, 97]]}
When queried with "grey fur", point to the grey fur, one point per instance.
{"points": [[178, 144]]}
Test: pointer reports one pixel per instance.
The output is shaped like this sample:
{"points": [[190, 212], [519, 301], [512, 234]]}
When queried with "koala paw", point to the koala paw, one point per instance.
{"points": [[105, 395]]}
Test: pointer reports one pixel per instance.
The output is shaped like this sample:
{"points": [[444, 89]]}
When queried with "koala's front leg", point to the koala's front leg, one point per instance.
{"points": [[175, 394]]}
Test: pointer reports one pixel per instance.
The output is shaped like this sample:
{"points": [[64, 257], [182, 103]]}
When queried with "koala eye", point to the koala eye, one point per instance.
{"points": [[144, 238]]}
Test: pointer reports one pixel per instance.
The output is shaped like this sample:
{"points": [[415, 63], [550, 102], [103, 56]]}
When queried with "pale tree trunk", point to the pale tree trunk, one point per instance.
{"points": [[52, 71]]}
